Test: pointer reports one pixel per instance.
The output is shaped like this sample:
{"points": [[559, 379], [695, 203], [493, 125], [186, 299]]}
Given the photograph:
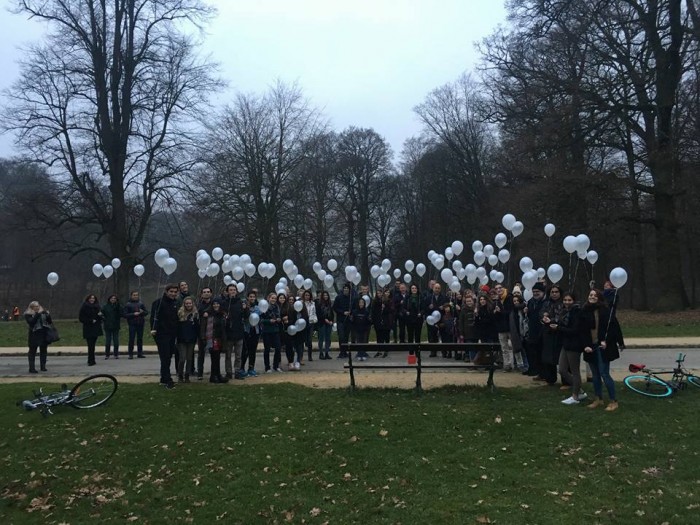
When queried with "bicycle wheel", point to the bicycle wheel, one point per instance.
{"points": [[648, 386], [694, 380], [93, 391]]}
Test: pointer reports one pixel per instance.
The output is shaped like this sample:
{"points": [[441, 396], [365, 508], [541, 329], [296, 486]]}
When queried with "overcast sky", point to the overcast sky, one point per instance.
{"points": [[363, 62]]}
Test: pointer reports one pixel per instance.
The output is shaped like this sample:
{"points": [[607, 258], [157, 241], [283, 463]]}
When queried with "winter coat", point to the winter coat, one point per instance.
{"points": [[412, 310], [382, 315], [465, 325], [606, 328], [342, 304], [324, 311], [130, 309], [235, 314], [164, 317], [91, 319], [361, 320], [485, 325], [188, 328], [37, 324], [574, 328], [268, 327], [112, 314]]}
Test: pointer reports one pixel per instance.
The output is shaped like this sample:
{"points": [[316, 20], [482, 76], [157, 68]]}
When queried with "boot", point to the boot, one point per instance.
{"points": [[42, 363], [597, 403], [32, 365], [328, 356], [611, 406]]}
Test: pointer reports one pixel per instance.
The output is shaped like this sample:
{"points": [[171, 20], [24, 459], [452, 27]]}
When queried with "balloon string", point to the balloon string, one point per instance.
{"points": [[570, 271], [605, 337], [549, 244], [575, 273], [155, 314]]}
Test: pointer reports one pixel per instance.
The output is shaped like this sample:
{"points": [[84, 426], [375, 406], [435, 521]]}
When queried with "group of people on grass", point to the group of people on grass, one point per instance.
{"points": [[544, 337]]}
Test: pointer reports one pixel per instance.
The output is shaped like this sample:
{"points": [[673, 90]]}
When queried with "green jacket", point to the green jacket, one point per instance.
{"points": [[112, 316]]}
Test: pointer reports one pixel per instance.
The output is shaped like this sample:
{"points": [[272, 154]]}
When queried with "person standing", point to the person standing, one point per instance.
{"points": [[204, 305], [91, 318], [187, 335], [135, 314], [250, 338], [400, 299], [342, 307], [533, 345], [324, 311], [235, 312], [573, 336], [412, 313], [213, 332], [271, 321], [38, 321], [310, 306], [164, 330], [433, 302], [111, 315]]}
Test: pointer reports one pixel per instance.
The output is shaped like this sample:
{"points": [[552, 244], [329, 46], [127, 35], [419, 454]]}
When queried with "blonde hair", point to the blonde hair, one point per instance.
{"points": [[30, 308], [182, 313]]}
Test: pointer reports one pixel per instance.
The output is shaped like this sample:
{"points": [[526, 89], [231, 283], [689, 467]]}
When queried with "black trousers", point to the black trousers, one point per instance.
{"points": [[414, 332], [166, 351], [91, 342], [250, 347]]}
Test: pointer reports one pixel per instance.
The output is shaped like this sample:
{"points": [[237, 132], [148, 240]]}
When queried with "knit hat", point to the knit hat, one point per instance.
{"points": [[485, 288], [538, 286], [516, 289]]}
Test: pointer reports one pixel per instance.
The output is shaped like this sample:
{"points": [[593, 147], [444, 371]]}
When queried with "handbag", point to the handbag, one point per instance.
{"points": [[216, 345], [52, 334]]}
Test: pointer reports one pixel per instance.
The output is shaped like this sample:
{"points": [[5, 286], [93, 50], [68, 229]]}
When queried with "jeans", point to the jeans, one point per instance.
{"points": [[271, 341], [233, 349], [324, 337], [186, 351], [112, 337], [135, 333], [601, 374], [570, 370], [166, 351], [250, 347]]}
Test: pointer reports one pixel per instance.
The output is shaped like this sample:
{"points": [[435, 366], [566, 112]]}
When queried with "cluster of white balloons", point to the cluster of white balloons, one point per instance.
{"points": [[107, 270], [580, 244], [433, 318]]}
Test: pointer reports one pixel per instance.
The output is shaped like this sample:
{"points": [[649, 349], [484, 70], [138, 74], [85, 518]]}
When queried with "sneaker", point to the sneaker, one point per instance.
{"points": [[278, 369], [106, 357], [297, 365], [269, 371], [252, 373], [290, 367], [611, 406], [242, 372], [570, 401], [582, 396], [239, 376], [141, 356], [170, 385], [131, 357]]}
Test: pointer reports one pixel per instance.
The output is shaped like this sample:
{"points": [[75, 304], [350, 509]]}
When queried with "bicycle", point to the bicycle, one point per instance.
{"points": [[91, 392], [650, 384]]}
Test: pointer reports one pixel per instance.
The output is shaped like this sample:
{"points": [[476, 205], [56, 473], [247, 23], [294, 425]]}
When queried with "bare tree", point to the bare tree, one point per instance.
{"points": [[108, 104]]}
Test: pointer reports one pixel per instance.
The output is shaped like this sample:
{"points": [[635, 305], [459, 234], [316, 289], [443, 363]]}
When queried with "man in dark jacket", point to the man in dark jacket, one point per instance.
{"points": [[205, 299], [235, 312], [135, 314], [432, 302], [535, 326], [400, 302], [342, 306], [164, 331]]}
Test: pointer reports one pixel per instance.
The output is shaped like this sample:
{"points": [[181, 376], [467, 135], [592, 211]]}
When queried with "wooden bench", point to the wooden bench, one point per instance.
{"points": [[490, 350]]}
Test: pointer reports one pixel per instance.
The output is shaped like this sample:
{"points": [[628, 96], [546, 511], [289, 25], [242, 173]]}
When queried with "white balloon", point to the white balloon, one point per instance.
{"points": [[292, 329], [253, 319], [439, 262], [430, 320], [335, 325], [527, 294], [397, 273], [226, 257], [107, 271], [284, 281], [518, 228], [116, 263], [488, 250], [582, 243], [139, 270], [235, 260], [541, 272], [592, 257], [504, 256], [245, 259], [217, 253], [262, 269], [226, 266], [263, 305], [555, 272], [299, 281], [308, 284], [501, 240], [470, 269], [213, 270], [161, 256], [461, 273], [356, 280], [420, 269], [249, 269], [618, 277], [457, 248], [203, 261], [508, 221], [457, 265], [447, 275], [228, 279], [529, 279], [471, 279], [293, 272], [386, 264], [237, 272], [549, 229], [449, 254], [240, 287], [409, 265], [328, 281], [271, 270], [570, 244], [526, 264], [170, 266], [477, 246], [280, 288], [332, 265], [480, 272], [200, 252], [582, 255], [322, 275], [52, 278], [300, 324], [492, 274], [202, 273], [493, 260], [500, 277], [407, 278], [287, 265], [455, 286], [298, 305], [317, 267], [374, 271], [479, 257], [97, 269], [431, 254], [366, 299]]}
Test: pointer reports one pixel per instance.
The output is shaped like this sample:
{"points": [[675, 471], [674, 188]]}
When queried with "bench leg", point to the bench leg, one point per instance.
{"points": [[490, 382], [419, 386]]}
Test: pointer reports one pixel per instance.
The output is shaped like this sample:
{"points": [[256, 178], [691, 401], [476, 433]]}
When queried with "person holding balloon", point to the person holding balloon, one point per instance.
{"points": [[91, 316], [135, 313], [236, 311], [361, 320], [324, 311], [271, 321], [164, 321], [251, 331], [38, 321], [187, 335]]}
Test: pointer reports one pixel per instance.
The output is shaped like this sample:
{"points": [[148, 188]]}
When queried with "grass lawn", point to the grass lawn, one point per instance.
{"points": [[288, 454], [634, 324]]}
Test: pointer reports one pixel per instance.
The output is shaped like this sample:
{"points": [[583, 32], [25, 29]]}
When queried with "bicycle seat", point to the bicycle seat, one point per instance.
{"points": [[636, 368]]}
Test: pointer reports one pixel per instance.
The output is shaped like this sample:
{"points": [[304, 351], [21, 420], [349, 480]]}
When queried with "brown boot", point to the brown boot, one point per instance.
{"points": [[611, 406], [597, 403]]}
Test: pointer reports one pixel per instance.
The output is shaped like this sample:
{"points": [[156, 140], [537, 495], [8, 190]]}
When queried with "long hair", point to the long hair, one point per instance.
{"points": [[30, 311]]}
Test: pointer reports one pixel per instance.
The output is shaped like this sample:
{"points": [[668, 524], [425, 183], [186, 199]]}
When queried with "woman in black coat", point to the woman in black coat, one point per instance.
{"points": [[38, 320], [602, 346], [91, 317], [573, 329]]}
